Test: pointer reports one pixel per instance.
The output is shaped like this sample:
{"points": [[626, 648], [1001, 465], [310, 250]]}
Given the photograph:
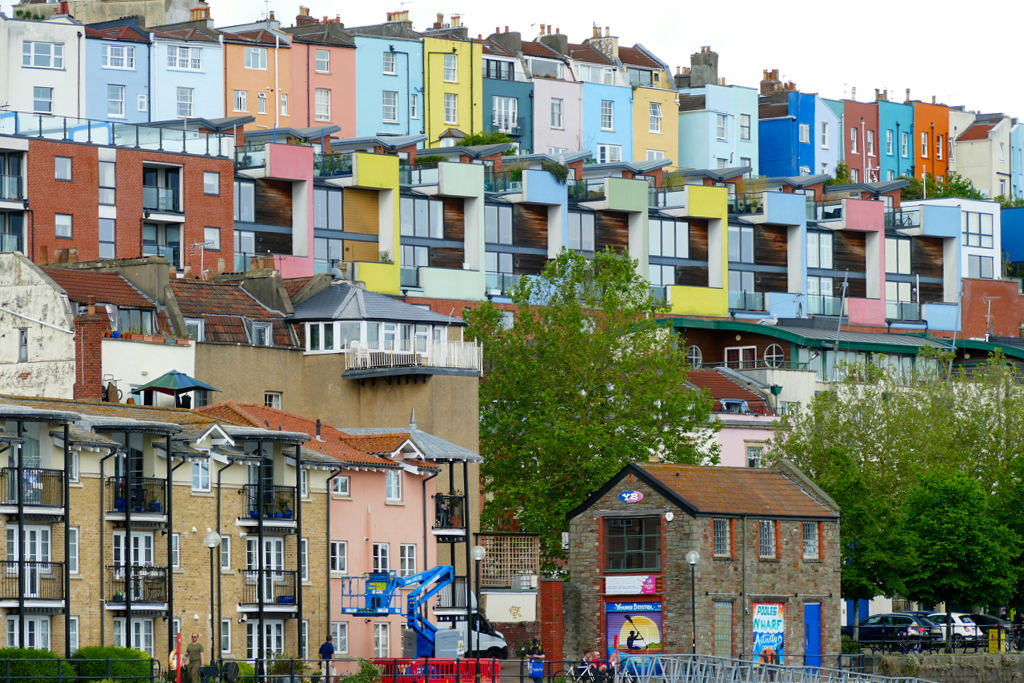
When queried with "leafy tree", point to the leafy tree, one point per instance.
{"points": [[584, 382], [953, 185], [493, 137], [1009, 202], [961, 553], [842, 175]]}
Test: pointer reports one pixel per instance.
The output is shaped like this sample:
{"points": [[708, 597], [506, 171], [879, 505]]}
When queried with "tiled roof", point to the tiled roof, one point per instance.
{"points": [[378, 444], [324, 37], [737, 490], [585, 53], [294, 285], [978, 131], [188, 35], [538, 49], [116, 33], [634, 56], [108, 288], [767, 110], [88, 409], [722, 388], [197, 298], [257, 37], [692, 102]]}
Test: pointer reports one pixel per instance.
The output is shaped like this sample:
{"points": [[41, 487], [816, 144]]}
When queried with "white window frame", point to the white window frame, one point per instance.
{"points": [[225, 638], [451, 109], [924, 144], [609, 154], [745, 127], [407, 559], [381, 557], [722, 127], [805, 133], [211, 179], [888, 142], [115, 101], [655, 117], [824, 134], [143, 103], [175, 550], [266, 330], [225, 552], [339, 557], [607, 115], [323, 61], [340, 486], [389, 63], [73, 634], [201, 476], [810, 542], [451, 68], [655, 155], [284, 104], [381, 639], [414, 106], [63, 225], [272, 399], [393, 483], [73, 560], [322, 104], [905, 144], [939, 146], [261, 103], [54, 55], [870, 141], [188, 102], [241, 100], [557, 113], [183, 58], [303, 559], [256, 58], [853, 140], [339, 630], [117, 57], [389, 110]]}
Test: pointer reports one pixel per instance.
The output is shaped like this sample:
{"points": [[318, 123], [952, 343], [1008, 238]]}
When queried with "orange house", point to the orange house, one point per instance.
{"points": [[323, 76], [257, 77], [931, 140]]}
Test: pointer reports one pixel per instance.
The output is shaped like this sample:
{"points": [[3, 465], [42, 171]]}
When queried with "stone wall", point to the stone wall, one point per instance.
{"points": [[971, 668]]}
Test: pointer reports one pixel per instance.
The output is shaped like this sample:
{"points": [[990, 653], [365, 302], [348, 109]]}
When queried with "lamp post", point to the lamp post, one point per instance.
{"points": [[478, 553], [693, 557], [212, 541]]}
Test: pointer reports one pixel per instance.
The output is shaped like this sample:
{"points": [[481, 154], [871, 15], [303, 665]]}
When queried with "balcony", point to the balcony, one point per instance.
{"points": [[588, 190], [332, 165], [161, 199], [824, 305], [501, 284], [659, 293], [449, 517], [172, 254], [42, 491], [746, 203], [905, 311], [10, 242], [145, 500], [425, 356], [504, 181], [277, 507], [10, 188], [824, 211], [899, 218], [451, 601], [253, 155], [509, 125], [512, 561], [410, 276], [422, 174], [44, 583], [145, 585], [279, 590], [746, 301]]}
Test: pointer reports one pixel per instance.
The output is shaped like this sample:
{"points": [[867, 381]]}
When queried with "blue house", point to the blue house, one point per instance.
{"points": [[895, 122], [1017, 160], [389, 59], [718, 127], [188, 74], [799, 135], [117, 64], [508, 97]]}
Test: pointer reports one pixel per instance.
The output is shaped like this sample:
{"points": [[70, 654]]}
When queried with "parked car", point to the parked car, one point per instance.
{"points": [[987, 622], [895, 628], [963, 627]]}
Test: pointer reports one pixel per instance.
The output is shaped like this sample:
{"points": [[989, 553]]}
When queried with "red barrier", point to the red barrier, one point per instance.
{"points": [[427, 670]]}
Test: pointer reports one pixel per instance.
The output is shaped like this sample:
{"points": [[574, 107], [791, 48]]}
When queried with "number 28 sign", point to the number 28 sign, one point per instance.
{"points": [[631, 496]]}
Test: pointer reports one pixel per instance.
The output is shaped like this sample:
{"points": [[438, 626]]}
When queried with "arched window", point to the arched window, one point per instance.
{"points": [[694, 356]]}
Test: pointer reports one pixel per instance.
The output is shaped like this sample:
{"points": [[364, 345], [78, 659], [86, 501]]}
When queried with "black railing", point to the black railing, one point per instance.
{"points": [[278, 502], [39, 488], [147, 494], [587, 190], [146, 584], [160, 198], [43, 580], [278, 587], [449, 512]]}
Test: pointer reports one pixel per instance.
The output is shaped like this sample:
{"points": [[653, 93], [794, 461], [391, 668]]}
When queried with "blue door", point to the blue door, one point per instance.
{"points": [[812, 634]]}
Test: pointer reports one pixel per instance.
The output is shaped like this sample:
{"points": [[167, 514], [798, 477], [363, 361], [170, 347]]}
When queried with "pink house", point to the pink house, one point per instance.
{"points": [[744, 411], [323, 74]]}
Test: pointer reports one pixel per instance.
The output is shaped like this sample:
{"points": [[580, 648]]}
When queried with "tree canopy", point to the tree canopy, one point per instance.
{"points": [[953, 185], [582, 383], [493, 137]]}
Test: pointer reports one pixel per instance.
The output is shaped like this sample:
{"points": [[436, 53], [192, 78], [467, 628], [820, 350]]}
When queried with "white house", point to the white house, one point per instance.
{"points": [[45, 70]]}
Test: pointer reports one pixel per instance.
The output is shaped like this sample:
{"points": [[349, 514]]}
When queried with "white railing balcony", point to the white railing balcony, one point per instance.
{"points": [[414, 353]]}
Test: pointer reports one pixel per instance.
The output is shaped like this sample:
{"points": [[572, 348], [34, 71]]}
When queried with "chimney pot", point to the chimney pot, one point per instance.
{"points": [[91, 301], [597, 31], [549, 29], [933, 99], [506, 29], [497, 29], [542, 29], [908, 94], [607, 32], [558, 31], [853, 94], [272, 15]]}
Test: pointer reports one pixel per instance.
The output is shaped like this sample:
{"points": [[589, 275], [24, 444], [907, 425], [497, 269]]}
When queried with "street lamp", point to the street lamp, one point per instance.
{"points": [[693, 557], [212, 541], [478, 553]]}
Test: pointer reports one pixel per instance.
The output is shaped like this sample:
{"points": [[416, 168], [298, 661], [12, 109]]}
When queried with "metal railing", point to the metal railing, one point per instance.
{"points": [[160, 198], [760, 364], [410, 276], [43, 580], [504, 181], [453, 596], [824, 211], [588, 189], [501, 284], [147, 495], [143, 584], [902, 218], [251, 155], [746, 202], [278, 502], [347, 268], [410, 352], [10, 188], [39, 488], [449, 512], [332, 165], [509, 125], [426, 669], [824, 305], [169, 253], [749, 669], [746, 301], [60, 670], [426, 174], [512, 560], [908, 311], [10, 242], [278, 587]]}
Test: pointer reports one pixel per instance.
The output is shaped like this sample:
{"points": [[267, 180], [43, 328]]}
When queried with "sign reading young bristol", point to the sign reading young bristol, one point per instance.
{"points": [[632, 607], [631, 496]]}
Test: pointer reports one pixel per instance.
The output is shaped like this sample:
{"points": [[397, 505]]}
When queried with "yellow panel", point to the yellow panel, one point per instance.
{"points": [[361, 212], [362, 251], [700, 301], [708, 202], [385, 278], [376, 170]]}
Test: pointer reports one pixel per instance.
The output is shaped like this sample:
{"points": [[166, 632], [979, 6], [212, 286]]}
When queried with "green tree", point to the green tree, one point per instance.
{"points": [[953, 185], [961, 552], [842, 175], [1009, 202], [584, 382], [492, 137]]}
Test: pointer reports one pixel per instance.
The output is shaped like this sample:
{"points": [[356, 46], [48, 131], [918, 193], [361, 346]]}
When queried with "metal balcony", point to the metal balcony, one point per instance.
{"points": [[162, 199], [449, 517], [277, 506], [279, 589], [41, 490], [145, 585], [146, 500], [44, 582]]}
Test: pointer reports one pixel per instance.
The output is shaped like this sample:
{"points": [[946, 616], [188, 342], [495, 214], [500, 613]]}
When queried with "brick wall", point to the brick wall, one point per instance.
{"points": [[551, 618], [1007, 308], [519, 632], [88, 358]]}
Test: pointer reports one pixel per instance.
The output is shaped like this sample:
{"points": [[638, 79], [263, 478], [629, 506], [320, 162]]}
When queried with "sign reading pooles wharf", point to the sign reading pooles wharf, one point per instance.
{"points": [[769, 633]]}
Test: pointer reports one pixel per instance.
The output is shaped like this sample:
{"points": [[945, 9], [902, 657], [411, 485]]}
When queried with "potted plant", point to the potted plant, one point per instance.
{"points": [[119, 596], [287, 513], [282, 505], [119, 499], [254, 514], [154, 504]]}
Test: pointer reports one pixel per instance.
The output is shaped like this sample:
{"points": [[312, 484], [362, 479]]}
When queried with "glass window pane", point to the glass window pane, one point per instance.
{"points": [[437, 219], [334, 210], [320, 209], [653, 233], [812, 250], [588, 232], [904, 256], [505, 263], [505, 225], [682, 239], [734, 243], [747, 244], [420, 212], [490, 224], [574, 231], [406, 215], [668, 238], [826, 250]]}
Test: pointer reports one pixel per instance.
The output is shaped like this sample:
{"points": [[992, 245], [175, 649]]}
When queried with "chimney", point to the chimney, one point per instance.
{"points": [[906, 101], [200, 13], [440, 20], [510, 40], [318, 430], [933, 99], [303, 18], [606, 44], [559, 43], [853, 94], [557, 31], [682, 78], [885, 95], [542, 29], [506, 30], [456, 21], [64, 9], [272, 15], [596, 31], [876, 94], [607, 32], [703, 68], [549, 29], [91, 302]]}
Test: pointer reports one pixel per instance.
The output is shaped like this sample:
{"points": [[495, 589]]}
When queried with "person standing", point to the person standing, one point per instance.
{"points": [[196, 658], [536, 656], [327, 657]]}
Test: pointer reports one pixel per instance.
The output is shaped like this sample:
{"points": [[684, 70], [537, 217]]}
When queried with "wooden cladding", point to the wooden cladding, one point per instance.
{"points": [[771, 282], [926, 256], [858, 289], [692, 276], [611, 229], [771, 246], [528, 264], [274, 203], [699, 243], [274, 242], [362, 251], [931, 293], [530, 226], [454, 224], [849, 251], [445, 257], [361, 209]]}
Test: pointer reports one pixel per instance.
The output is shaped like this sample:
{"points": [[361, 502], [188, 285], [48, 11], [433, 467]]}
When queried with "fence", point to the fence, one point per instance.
{"points": [[438, 670], [512, 560], [409, 352], [147, 495], [56, 670]]}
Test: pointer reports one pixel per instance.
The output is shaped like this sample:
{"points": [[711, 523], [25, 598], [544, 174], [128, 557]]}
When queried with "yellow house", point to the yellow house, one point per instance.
{"points": [[655, 111], [453, 90]]}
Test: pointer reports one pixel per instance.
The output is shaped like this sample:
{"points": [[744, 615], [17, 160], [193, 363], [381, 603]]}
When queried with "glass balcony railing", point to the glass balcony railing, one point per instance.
{"points": [[169, 253], [425, 174], [907, 311], [501, 284], [746, 301], [746, 202], [659, 293], [900, 218], [10, 188], [160, 199], [824, 211], [10, 242], [410, 276], [251, 156], [824, 305], [504, 181], [587, 190], [332, 165]]}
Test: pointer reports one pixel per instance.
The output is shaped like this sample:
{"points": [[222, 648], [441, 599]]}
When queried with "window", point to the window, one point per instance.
{"points": [[62, 168], [810, 534], [240, 100], [339, 629], [824, 135], [904, 144], [262, 335], [73, 634], [73, 550], [938, 148], [897, 255], [389, 63], [380, 557], [194, 328], [115, 100], [1002, 186], [853, 141], [979, 266], [261, 103], [767, 538], [888, 142], [175, 550], [694, 356], [721, 124], [609, 154], [870, 141], [62, 225], [414, 106], [819, 249], [924, 145], [323, 104], [655, 155], [225, 552], [774, 356], [556, 112], [890, 175], [607, 115], [339, 556], [855, 175], [37, 632], [824, 168], [272, 399], [22, 345], [256, 58], [977, 229], [184, 108], [632, 544], [451, 108], [323, 61], [142, 101], [211, 185], [42, 55], [407, 559], [304, 483], [108, 183], [754, 456], [190, 58], [304, 559], [225, 636], [1002, 151], [73, 469], [390, 106], [504, 114], [723, 628], [339, 485], [722, 540], [744, 126], [394, 485], [655, 117], [117, 57], [668, 237], [805, 132], [284, 104], [741, 243], [640, 77], [381, 640], [201, 475], [42, 100], [451, 68]]}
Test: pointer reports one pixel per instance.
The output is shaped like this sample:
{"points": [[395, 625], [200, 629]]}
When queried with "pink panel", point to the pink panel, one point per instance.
{"points": [[867, 311]]}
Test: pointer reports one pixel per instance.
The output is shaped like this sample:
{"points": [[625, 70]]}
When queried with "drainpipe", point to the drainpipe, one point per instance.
{"points": [[103, 524], [170, 541], [261, 649], [743, 629], [863, 152], [425, 530], [220, 606], [330, 501], [22, 620], [277, 93], [67, 540], [298, 549], [80, 65]]}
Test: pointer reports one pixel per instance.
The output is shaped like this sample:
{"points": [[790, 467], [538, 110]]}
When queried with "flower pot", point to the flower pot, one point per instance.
{"points": [[182, 342], [119, 504], [106, 334], [170, 340], [287, 514], [253, 514], [154, 507], [278, 515], [115, 334]]}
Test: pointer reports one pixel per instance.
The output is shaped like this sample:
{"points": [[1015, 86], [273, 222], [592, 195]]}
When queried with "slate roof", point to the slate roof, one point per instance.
{"points": [[341, 301], [911, 341], [768, 110], [83, 437], [186, 34], [117, 413], [255, 37], [977, 131], [634, 56], [723, 388], [539, 49], [108, 288], [692, 102], [585, 53], [323, 36]]}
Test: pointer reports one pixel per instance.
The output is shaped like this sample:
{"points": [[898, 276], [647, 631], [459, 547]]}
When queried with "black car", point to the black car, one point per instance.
{"points": [[987, 622], [896, 628]]}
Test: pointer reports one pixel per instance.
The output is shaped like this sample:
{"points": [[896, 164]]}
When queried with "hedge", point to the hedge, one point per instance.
{"points": [[43, 670], [126, 665], [246, 672]]}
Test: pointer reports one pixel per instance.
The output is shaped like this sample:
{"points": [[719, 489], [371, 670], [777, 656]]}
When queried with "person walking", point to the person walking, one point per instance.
{"points": [[536, 656], [196, 659], [327, 657]]}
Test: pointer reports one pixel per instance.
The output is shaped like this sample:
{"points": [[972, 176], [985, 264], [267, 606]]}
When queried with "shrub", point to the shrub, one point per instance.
{"points": [[560, 171], [367, 673], [43, 668], [285, 664], [850, 646], [125, 666], [246, 672]]}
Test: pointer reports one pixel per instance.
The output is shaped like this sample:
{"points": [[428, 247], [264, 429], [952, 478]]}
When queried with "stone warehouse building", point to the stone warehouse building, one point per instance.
{"points": [[767, 579]]}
